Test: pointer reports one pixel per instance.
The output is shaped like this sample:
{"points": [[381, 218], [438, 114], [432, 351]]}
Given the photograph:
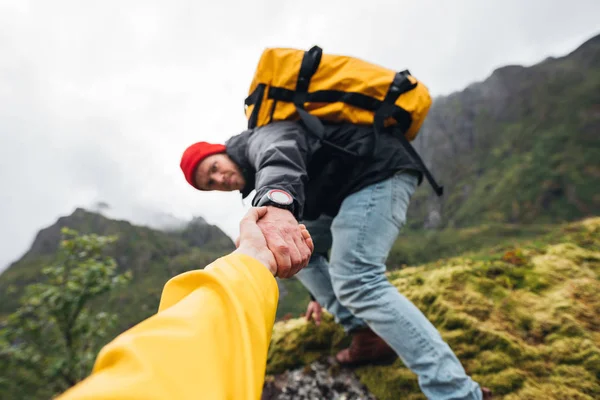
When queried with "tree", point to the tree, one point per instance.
{"points": [[50, 343]]}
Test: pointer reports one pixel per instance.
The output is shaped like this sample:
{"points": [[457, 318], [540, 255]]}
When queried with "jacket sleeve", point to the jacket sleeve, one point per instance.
{"points": [[208, 340], [278, 153]]}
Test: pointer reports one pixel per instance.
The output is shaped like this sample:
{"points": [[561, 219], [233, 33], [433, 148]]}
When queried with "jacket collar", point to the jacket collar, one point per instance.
{"points": [[236, 148]]}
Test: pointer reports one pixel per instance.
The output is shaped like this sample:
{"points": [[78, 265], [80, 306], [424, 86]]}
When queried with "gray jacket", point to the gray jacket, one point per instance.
{"points": [[283, 155]]}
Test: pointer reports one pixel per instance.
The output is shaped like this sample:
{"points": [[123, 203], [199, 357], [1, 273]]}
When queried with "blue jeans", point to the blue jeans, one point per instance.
{"points": [[353, 287]]}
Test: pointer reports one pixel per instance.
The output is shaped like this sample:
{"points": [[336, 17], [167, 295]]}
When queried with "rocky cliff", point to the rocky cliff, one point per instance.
{"points": [[520, 147]]}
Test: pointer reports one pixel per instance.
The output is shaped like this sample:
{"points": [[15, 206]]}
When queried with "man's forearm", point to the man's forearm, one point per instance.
{"points": [[279, 156]]}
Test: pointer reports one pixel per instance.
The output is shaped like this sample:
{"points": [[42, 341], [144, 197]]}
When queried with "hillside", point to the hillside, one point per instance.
{"points": [[152, 256], [504, 264], [524, 320], [520, 147]]}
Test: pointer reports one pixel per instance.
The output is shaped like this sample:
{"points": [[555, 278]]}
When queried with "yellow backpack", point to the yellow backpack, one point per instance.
{"points": [[292, 84]]}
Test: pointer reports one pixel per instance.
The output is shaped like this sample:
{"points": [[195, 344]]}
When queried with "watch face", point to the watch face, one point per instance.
{"points": [[280, 197]]}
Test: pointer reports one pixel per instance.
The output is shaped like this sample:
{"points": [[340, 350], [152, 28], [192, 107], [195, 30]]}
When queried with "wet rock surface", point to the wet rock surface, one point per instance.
{"points": [[322, 379]]}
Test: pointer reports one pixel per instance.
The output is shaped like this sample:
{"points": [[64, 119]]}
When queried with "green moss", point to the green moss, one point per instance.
{"points": [[391, 382], [536, 283], [548, 391], [452, 321], [573, 252], [465, 351], [524, 320], [489, 361], [503, 382], [297, 342], [576, 377], [480, 310], [490, 288], [497, 341], [576, 351], [540, 368]]}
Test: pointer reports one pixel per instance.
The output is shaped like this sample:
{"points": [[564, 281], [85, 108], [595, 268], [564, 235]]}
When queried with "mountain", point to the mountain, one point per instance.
{"points": [[523, 146], [153, 256], [518, 155]]}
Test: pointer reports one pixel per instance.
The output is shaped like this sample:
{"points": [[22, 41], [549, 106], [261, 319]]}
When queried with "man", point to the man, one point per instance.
{"points": [[353, 206], [210, 337]]}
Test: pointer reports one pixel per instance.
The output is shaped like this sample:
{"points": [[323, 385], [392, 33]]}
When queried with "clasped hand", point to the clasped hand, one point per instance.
{"points": [[274, 237]]}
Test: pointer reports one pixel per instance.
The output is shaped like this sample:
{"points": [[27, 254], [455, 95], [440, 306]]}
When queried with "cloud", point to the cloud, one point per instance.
{"points": [[99, 99]]}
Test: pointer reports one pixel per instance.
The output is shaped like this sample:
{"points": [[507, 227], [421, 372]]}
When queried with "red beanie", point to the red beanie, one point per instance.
{"points": [[194, 154]]}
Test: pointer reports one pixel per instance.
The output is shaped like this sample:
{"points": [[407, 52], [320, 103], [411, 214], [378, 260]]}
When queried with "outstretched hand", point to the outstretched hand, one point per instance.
{"points": [[286, 240], [254, 243], [251, 240]]}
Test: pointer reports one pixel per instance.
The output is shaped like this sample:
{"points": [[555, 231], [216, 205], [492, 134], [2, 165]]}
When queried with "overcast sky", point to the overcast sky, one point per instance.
{"points": [[98, 99]]}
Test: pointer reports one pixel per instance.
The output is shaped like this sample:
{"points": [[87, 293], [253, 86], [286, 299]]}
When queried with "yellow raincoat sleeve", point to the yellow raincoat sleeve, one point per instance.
{"points": [[209, 339]]}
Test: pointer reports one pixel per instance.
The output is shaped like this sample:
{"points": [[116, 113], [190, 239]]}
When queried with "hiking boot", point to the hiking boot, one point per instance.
{"points": [[366, 348], [487, 393]]}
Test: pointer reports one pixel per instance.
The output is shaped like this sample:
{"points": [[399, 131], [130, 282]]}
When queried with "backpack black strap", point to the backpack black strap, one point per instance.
{"points": [[255, 98], [308, 67], [439, 190], [310, 64], [401, 84]]}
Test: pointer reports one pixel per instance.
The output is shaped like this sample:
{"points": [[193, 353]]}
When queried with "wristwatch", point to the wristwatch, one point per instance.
{"points": [[277, 198]]}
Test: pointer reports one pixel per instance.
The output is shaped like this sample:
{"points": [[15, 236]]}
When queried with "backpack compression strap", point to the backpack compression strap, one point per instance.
{"points": [[401, 84], [255, 98], [308, 67]]}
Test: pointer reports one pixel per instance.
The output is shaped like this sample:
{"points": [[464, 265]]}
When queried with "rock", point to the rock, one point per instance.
{"points": [[322, 379]]}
